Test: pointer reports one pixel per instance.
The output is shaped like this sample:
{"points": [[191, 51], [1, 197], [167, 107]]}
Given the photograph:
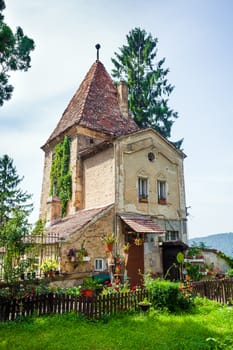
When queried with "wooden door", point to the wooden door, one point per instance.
{"points": [[135, 265]]}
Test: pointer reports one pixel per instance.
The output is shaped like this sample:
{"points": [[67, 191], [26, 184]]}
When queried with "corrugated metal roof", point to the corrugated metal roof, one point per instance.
{"points": [[142, 224]]}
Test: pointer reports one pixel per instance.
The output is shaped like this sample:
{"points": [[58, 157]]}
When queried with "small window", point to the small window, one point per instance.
{"points": [[172, 236], [143, 189], [151, 156], [162, 192], [99, 264]]}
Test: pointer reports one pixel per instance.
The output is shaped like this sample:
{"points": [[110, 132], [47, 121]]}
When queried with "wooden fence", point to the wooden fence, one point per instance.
{"points": [[219, 290], [94, 307]]}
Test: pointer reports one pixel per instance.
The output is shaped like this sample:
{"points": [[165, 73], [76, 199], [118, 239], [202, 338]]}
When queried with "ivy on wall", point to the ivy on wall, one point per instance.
{"points": [[60, 176]]}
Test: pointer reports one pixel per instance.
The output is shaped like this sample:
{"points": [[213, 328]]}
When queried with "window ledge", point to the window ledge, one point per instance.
{"points": [[143, 200], [162, 201]]}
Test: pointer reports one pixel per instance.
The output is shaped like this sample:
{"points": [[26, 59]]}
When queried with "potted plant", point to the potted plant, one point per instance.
{"points": [[138, 241], [193, 252], [49, 266], [144, 304], [31, 273], [126, 248], [118, 259], [117, 269], [88, 286], [162, 201], [109, 241], [143, 198], [79, 256], [71, 254], [83, 249]]}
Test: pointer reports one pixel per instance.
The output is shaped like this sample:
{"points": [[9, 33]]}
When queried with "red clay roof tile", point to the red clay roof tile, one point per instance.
{"points": [[73, 223], [95, 106], [142, 224]]}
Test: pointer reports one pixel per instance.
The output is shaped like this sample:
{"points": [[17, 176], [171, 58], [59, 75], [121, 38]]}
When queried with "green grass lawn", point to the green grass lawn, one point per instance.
{"points": [[153, 330]]}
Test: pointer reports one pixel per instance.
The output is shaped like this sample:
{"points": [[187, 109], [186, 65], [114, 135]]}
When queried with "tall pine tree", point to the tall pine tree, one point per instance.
{"points": [[147, 82], [14, 212]]}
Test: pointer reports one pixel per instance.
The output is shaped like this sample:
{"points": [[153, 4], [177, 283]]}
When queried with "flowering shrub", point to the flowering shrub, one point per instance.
{"points": [[29, 290], [115, 288], [186, 287], [168, 295]]}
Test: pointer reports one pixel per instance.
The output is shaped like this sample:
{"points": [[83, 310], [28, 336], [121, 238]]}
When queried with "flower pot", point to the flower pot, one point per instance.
{"points": [[143, 200], [118, 269], [86, 258], [144, 307], [162, 201], [88, 293], [108, 247], [51, 274]]}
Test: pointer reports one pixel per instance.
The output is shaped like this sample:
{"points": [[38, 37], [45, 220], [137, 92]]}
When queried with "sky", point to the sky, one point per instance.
{"points": [[194, 36]]}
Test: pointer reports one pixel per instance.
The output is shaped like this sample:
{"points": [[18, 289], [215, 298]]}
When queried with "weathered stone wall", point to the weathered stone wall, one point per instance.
{"points": [[45, 185], [99, 183], [152, 257], [219, 264], [91, 234]]}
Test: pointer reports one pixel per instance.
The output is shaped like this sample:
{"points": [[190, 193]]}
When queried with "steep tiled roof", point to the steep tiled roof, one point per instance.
{"points": [[95, 106], [141, 223], [74, 223]]}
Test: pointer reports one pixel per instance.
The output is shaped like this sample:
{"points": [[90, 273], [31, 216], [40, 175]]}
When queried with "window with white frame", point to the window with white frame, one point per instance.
{"points": [[172, 236], [143, 189], [162, 192], [99, 264]]}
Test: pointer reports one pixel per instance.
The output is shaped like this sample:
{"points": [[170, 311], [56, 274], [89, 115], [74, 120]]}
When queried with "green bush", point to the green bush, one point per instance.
{"points": [[193, 272], [230, 273], [168, 295]]}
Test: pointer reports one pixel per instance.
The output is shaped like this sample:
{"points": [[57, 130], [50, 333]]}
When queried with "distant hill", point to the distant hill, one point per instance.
{"points": [[220, 241]]}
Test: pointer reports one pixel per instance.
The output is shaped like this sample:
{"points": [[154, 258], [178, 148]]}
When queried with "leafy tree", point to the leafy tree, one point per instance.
{"points": [[147, 82], [14, 211], [14, 54], [200, 245]]}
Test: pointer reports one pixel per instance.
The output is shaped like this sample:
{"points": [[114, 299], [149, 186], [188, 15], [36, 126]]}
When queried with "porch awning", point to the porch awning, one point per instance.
{"points": [[142, 224]]}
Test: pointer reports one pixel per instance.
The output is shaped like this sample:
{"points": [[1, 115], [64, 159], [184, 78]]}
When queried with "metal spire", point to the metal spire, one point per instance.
{"points": [[97, 46]]}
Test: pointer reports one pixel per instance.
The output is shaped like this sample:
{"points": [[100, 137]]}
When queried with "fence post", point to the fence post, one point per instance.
{"points": [[5, 309], [50, 303]]}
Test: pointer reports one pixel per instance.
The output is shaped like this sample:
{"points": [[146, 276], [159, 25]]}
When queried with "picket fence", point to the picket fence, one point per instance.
{"points": [[91, 307], [220, 290]]}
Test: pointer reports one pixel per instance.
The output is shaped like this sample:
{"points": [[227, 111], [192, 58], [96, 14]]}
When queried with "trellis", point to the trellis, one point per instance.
{"points": [[41, 247]]}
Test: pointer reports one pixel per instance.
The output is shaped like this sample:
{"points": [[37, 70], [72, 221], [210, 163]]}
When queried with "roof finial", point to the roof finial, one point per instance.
{"points": [[97, 46]]}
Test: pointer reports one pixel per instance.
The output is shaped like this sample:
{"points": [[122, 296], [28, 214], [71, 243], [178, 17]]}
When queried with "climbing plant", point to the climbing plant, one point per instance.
{"points": [[60, 176]]}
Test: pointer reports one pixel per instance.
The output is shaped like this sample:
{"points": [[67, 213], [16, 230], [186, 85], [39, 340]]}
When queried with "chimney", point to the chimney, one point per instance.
{"points": [[54, 210], [122, 90]]}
